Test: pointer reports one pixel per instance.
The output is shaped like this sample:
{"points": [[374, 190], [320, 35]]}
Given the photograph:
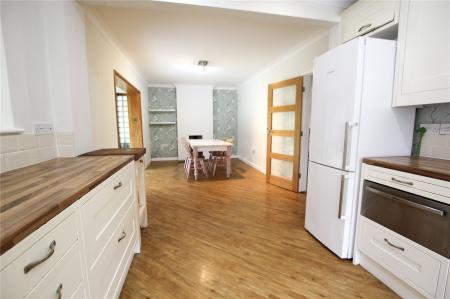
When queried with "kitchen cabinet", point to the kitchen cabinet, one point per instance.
{"points": [[422, 73], [84, 251], [368, 16], [406, 260]]}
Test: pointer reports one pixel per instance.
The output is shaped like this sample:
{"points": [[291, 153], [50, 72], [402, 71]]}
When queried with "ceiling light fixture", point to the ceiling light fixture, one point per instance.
{"points": [[203, 64]]}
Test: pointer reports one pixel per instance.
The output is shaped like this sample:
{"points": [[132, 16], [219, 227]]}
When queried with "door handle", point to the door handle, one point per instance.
{"points": [[341, 196], [348, 125], [392, 245], [32, 265], [124, 234], [59, 291], [402, 182]]}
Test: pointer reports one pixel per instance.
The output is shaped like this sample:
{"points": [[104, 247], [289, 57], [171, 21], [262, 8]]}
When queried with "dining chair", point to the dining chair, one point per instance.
{"points": [[216, 157], [189, 161]]}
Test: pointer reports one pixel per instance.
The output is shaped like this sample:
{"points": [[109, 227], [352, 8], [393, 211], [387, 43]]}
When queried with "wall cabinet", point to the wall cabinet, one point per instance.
{"points": [[367, 16], [423, 47], [83, 252]]}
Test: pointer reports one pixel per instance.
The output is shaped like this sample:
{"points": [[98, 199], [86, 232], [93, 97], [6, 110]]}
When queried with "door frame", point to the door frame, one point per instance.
{"points": [[296, 134], [134, 95]]}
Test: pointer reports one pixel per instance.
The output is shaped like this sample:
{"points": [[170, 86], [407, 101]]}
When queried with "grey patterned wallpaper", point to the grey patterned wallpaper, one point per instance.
{"points": [[431, 114], [163, 138], [225, 115]]}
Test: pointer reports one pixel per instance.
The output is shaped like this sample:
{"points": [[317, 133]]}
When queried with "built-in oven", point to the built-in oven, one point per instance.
{"points": [[420, 219]]}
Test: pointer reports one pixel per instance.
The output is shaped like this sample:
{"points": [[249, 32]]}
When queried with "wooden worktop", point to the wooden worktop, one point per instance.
{"points": [[430, 167], [137, 153], [31, 196]]}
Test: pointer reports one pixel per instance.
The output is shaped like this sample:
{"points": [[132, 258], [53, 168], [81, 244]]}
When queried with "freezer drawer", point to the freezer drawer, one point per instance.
{"points": [[422, 220]]}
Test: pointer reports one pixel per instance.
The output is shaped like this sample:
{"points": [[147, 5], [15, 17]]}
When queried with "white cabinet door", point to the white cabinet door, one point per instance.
{"points": [[335, 103], [328, 207], [366, 16], [423, 60]]}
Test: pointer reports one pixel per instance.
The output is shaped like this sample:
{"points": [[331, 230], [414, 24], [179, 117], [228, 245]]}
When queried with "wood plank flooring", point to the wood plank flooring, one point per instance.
{"points": [[236, 238]]}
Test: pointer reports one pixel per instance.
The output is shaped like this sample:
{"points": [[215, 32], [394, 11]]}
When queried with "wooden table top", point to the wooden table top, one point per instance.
{"points": [[31, 196], [208, 143], [136, 152], [429, 167]]}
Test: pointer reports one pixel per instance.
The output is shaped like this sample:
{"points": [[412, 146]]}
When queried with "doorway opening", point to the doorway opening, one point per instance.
{"points": [[128, 113]]}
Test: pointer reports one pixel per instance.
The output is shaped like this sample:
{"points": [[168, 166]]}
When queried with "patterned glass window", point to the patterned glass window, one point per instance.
{"points": [[122, 121]]}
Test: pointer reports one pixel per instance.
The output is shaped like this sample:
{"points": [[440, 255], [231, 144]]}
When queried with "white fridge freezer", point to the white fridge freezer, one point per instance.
{"points": [[351, 118]]}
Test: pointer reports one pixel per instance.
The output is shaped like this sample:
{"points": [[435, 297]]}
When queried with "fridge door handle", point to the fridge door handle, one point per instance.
{"points": [[341, 196], [348, 126]]}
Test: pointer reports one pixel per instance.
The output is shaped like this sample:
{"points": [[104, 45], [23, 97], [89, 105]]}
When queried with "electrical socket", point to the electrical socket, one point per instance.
{"points": [[445, 129], [43, 128], [432, 129]]}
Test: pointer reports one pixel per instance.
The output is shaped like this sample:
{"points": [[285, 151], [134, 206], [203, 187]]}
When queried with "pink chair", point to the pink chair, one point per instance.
{"points": [[218, 157], [189, 161]]}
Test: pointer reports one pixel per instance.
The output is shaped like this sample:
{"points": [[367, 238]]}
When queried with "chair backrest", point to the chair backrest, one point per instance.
{"points": [[187, 147], [195, 136]]}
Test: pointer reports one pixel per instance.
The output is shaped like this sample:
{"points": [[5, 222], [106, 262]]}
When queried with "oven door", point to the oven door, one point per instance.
{"points": [[422, 220]]}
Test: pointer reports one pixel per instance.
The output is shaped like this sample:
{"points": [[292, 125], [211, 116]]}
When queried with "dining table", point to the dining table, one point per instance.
{"points": [[209, 145]]}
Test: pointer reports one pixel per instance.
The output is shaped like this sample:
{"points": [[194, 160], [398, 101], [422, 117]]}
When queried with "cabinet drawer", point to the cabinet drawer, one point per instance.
{"points": [[65, 278], [414, 266], [103, 271], [102, 212], [431, 188], [365, 16], [15, 283]]}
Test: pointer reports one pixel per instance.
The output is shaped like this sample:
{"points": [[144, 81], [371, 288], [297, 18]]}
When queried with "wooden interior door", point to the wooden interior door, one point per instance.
{"points": [[128, 113], [284, 133]]}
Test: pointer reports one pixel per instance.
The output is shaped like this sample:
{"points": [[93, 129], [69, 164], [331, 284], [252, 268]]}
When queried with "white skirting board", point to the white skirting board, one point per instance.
{"points": [[257, 167]]}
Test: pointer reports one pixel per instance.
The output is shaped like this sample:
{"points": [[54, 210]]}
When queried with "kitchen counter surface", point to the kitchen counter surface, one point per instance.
{"points": [[136, 152], [429, 167], [31, 196]]}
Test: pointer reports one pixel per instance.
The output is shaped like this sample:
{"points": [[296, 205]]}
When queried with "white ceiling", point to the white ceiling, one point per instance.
{"points": [[166, 40]]}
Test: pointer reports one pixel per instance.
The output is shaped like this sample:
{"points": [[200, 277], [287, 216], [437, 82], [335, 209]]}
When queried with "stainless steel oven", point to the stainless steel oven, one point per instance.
{"points": [[420, 219]]}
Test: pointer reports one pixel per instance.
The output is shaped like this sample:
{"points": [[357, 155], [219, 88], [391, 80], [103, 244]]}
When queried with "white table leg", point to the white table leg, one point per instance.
{"points": [[195, 150], [228, 161]]}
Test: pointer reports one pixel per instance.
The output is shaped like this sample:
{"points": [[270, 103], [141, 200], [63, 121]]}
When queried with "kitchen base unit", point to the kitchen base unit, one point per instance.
{"points": [[403, 228], [86, 249]]}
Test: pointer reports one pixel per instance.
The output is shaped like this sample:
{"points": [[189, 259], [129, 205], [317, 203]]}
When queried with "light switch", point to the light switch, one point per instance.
{"points": [[432, 129], [445, 129]]}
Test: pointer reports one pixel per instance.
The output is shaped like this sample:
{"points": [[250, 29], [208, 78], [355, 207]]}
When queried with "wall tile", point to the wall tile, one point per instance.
{"points": [[9, 143], [17, 159], [436, 146], [64, 138], [66, 151], [28, 141], [47, 140]]}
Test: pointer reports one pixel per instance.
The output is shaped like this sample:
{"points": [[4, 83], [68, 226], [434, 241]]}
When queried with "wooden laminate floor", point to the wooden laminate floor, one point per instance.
{"points": [[236, 238]]}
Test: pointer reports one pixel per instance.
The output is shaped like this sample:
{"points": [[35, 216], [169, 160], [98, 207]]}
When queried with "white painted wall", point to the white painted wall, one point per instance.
{"points": [[194, 113], [6, 115], [46, 57], [252, 103], [103, 58]]}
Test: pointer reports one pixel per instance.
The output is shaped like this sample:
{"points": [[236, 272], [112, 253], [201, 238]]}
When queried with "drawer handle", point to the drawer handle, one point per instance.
{"points": [[124, 234], [401, 182], [118, 186], [30, 266], [59, 291], [364, 27], [392, 245]]}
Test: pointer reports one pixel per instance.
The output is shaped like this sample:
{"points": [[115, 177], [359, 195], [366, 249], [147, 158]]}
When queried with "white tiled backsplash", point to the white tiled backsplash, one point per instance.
{"points": [[436, 146], [18, 151]]}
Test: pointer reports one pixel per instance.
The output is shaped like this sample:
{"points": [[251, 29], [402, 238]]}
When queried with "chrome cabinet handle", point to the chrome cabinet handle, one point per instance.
{"points": [[392, 245], [118, 186], [364, 27], [124, 234], [402, 182], [59, 291], [407, 202], [348, 125], [32, 265], [341, 196]]}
